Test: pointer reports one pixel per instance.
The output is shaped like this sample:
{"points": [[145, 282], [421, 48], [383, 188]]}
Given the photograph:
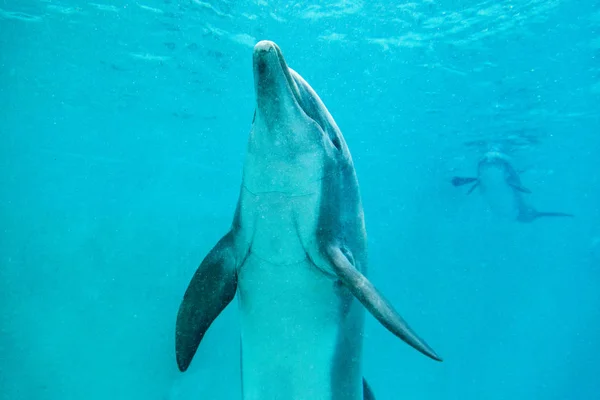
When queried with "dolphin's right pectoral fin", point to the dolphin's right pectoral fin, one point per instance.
{"points": [[473, 188], [373, 301], [519, 187], [211, 289]]}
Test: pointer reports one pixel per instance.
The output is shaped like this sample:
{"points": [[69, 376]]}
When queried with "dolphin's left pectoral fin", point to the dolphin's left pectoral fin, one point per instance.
{"points": [[377, 305], [211, 289]]}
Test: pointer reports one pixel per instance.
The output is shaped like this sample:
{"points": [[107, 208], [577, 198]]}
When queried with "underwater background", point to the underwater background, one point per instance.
{"points": [[123, 129]]}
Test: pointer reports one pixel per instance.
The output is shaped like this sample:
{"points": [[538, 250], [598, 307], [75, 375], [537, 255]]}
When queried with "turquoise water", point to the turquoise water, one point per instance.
{"points": [[123, 129]]}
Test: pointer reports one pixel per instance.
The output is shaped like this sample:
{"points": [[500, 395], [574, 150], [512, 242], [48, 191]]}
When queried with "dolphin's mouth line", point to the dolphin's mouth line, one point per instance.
{"points": [[294, 88], [288, 77]]}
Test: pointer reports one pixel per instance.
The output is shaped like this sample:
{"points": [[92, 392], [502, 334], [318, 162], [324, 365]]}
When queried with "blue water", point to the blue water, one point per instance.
{"points": [[123, 128]]}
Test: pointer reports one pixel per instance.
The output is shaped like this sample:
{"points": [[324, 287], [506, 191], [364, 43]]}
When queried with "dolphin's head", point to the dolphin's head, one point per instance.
{"points": [[292, 129], [494, 157], [277, 95]]}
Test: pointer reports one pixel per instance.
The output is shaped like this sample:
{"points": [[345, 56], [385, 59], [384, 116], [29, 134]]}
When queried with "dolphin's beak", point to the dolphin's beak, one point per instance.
{"points": [[272, 80]]}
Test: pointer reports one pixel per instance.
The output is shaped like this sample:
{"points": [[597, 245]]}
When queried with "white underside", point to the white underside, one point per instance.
{"points": [[499, 196], [291, 312]]}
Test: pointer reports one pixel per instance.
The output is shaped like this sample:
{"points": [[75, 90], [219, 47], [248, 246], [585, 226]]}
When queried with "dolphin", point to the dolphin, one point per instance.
{"points": [[501, 185], [295, 254]]}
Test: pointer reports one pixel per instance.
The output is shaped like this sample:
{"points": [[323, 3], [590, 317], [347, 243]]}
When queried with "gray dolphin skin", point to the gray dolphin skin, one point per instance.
{"points": [[501, 185], [296, 254]]}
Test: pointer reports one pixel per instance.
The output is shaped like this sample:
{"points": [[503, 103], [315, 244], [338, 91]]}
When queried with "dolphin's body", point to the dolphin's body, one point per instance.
{"points": [[502, 188], [296, 254]]}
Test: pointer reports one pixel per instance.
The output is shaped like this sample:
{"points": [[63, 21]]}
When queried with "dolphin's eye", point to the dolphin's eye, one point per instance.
{"points": [[336, 142]]}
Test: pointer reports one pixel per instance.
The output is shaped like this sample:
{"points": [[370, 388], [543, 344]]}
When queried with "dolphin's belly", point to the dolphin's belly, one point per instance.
{"points": [[499, 196], [300, 329], [300, 333]]}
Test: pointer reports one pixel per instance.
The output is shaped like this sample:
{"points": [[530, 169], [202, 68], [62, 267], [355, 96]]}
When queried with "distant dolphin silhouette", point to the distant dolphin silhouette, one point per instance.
{"points": [[502, 188]]}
